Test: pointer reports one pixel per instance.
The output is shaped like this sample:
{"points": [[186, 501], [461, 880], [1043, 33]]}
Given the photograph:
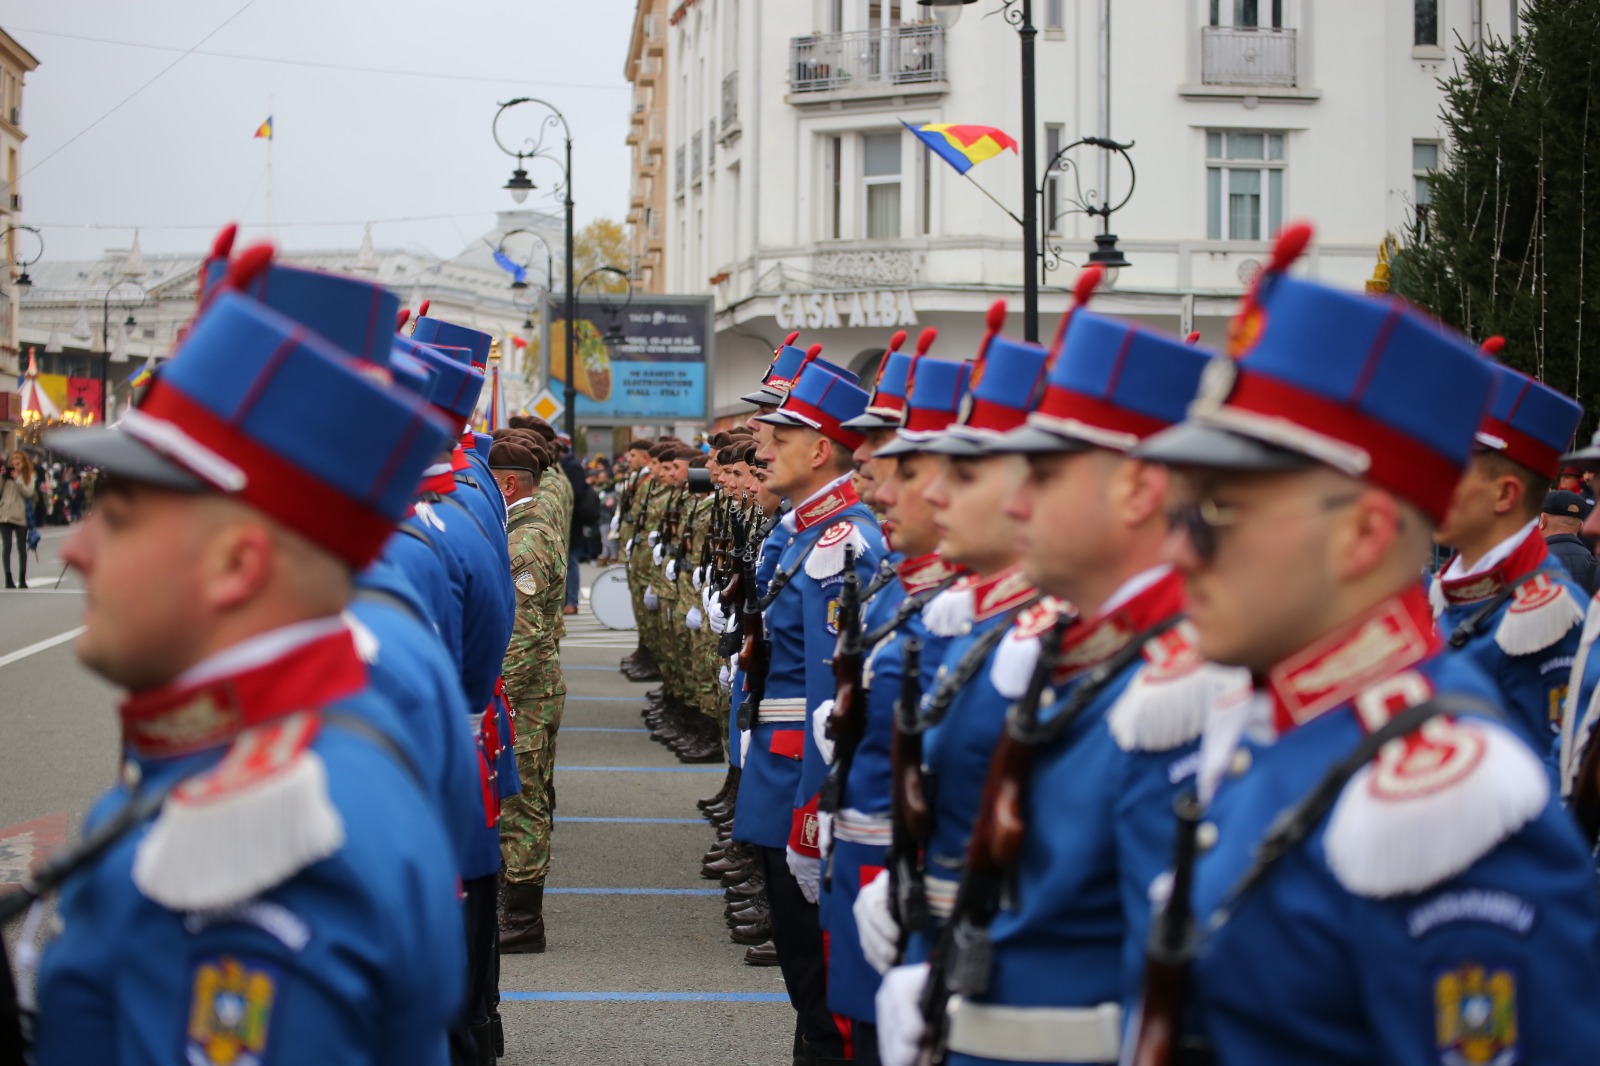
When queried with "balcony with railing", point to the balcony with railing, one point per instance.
{"points": [[1249, 56], [894, 61], [730, 99], [655, 41], [649, 69]]}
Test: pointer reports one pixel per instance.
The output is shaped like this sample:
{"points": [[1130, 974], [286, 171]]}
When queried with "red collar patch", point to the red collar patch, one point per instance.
{"points": [[1393, 636], [170, 721], [999, 593], [1523, 560], [817, 511], [1094, 640], [924, 572]]}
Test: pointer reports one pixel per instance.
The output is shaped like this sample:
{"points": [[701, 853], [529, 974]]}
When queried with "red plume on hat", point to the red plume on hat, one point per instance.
{"points": [[1248, 324], [401, 319], [1492, 346], [895, 342], [811, 355], [1192, 339], [778, 351], [924, 342], [1088, 281], [220, 249], [993, 322]]}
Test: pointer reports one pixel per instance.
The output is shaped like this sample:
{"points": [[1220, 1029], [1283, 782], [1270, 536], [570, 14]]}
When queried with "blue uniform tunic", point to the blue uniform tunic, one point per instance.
{"points": [[1444, 912], [798, 679], [313, 967], [852, 982], [956, 751], [766, 566]]}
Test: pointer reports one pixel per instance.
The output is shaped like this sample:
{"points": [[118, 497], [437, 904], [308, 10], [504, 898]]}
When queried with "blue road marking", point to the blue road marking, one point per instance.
{"points": [[646, 997]]}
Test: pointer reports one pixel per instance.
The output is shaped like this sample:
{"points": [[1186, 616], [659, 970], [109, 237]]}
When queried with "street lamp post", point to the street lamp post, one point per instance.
{"points": [[24, 282], [105, 340], [1106, 253], [519, 186]]}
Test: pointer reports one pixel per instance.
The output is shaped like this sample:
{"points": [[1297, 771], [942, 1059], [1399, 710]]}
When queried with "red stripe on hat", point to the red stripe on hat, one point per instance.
{"points": [[986, 414], [278, 488], [927, 420], [887, 406], [1521, 448], [1060, 404], [1399, 463], [825, 423]]}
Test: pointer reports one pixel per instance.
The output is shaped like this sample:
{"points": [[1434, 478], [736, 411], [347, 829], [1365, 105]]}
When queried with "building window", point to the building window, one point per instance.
{"points": [[834, 161], [880, 172], [1425, 20], [1053, 14], [1247, 14], [927, 190], [1055, 137], [1244, 185], [1424, 161]]}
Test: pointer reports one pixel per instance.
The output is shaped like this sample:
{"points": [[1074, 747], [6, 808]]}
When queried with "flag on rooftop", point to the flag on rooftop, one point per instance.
{"points": [[962, 146], [265, 129]]}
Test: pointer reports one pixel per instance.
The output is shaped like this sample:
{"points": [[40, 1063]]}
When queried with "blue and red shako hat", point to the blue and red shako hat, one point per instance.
{"points": [[456, 341], [888, 403], [787, 362], [937, 388], [257, 407], [1528, 422], [1109, 384], [1004, 378], [353, 315], [453, 384], [823, 401], [1366, 385]]}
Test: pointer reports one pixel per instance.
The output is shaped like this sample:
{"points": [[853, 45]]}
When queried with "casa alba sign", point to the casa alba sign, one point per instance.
{"points": [[877, 308]]}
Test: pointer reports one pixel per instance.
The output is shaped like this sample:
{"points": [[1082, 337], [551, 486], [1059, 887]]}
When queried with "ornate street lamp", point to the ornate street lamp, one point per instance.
{"points": [[24, 282], [1086, 202]]}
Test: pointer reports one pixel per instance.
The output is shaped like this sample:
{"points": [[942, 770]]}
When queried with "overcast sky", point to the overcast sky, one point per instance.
{"points": [[178, 159]]}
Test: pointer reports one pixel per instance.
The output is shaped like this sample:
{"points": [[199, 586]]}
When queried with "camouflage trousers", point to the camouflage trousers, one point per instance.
{"points": [[528, 818]]}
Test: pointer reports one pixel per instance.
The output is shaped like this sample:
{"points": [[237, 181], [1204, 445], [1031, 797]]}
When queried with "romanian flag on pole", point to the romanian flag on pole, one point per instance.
{"points": [[265, 129], [962, 146], [145, 374]]}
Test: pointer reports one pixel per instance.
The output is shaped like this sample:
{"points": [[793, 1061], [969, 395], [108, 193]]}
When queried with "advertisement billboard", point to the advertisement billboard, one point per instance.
{"points": [[658, 371]]}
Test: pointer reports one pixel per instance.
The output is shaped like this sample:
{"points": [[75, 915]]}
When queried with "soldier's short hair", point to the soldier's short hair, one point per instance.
{"points": [[698, 462], [639, 444]]}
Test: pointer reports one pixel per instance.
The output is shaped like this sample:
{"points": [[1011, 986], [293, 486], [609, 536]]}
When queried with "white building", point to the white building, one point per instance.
{"points": [[800, 200], [16, 63]]}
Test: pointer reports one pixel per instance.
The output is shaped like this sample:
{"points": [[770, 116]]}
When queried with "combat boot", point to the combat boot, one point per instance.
{"points": [[751, 887], [736, 862], [755, 933], [729, 783], [762, 955], [522, 921]]}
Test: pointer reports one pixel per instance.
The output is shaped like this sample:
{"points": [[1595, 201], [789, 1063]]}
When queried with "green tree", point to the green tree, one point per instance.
{"points": [[1504, 245], [602, 243]]}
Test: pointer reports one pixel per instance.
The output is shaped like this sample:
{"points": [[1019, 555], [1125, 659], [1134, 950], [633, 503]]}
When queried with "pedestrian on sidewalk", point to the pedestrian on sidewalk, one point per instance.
{"points": [[1562, 517], [16, 494]]}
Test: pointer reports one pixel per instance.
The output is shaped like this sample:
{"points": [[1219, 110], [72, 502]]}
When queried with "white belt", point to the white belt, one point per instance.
{"points": [[856, 828], [941, 893], [792, 709], [1036, 1034]]}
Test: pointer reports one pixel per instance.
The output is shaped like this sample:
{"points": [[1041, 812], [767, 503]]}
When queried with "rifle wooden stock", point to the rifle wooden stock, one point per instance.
{"points": [[908, 804], [847, 722], [1170, 953]]}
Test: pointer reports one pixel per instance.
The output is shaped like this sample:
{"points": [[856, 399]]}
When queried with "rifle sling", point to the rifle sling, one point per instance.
{"points": [[909, 607], [1087, 690], [953, 682], [781, 580], [1294, 824]]}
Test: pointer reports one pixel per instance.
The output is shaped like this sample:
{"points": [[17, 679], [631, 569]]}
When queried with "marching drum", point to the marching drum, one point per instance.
{"points": [[610, 600]]}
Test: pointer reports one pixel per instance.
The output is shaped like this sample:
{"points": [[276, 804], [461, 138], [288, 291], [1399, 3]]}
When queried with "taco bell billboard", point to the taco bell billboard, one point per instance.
{"points": [[659, 371]]}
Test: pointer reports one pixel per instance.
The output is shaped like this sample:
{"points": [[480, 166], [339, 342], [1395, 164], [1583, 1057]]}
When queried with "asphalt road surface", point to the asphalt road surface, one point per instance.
{"points": [[639, 968]]}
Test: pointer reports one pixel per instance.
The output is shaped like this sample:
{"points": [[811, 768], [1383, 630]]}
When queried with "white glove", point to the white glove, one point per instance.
{"points": [[744, 746], [819, 730], [713, 602], [807, 871], [652, 602], [616, 521], [875, 924], [900, 1023], [699, 577], [824, 832], [627, 549], [694, 619], [655, 535], [655, 553], [725, 678], [672, 569]]}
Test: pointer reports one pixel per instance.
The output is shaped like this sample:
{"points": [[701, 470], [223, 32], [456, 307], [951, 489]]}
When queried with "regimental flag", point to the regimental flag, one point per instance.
{"points": [[962, 146], [510, 266], [265, 129], [146, 372]]}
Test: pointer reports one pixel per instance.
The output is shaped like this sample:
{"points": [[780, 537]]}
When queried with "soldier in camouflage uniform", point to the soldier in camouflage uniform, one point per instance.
{"points": [[638, 666], [534, 684]]}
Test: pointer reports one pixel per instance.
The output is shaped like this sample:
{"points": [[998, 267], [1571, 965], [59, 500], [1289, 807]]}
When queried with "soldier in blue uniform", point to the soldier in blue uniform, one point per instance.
{"points": [[962, 711], [809, 462], [294, 899], [1441, 907], [1118, 739], [860, 831], [1502, 599]]}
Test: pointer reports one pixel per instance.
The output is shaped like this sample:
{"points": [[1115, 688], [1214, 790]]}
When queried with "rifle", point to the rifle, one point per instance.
{"points": [[755, 654], [1170, 951], [961, 962], [908, 802], [848, 720]]}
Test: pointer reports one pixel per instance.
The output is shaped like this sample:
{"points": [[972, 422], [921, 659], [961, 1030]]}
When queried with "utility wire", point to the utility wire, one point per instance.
{"points": [[256, 225], [396, 72], [126, 99]]}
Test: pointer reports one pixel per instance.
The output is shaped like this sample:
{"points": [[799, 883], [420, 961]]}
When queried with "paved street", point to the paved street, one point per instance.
{"points": [[640, 968]]}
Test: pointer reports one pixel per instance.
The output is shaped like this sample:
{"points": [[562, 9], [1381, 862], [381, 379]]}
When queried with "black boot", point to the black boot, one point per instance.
{"points": [[483, 1042], [522, 920]]}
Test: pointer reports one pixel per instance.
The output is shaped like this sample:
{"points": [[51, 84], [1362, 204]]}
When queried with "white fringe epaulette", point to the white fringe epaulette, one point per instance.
{"points": [[367, 644], [1014, 660], [1577, 723], [1167, 702], [949, 614], [1542, 611], [827, 558], [1436, 597], [247, 825], [1431, 805]]}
